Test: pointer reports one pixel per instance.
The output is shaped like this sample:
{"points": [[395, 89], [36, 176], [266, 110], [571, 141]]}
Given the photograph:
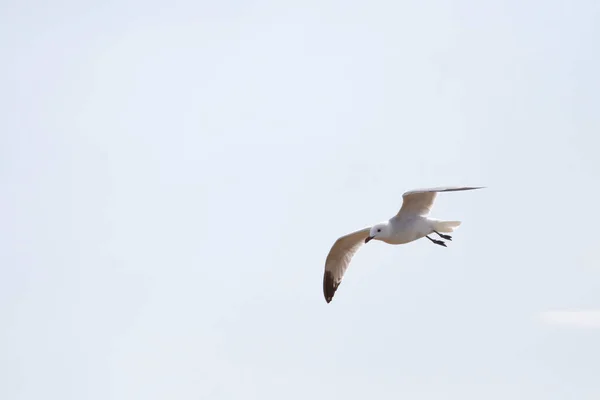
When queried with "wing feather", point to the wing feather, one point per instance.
{"points": [[420, 201], [339, 258]]}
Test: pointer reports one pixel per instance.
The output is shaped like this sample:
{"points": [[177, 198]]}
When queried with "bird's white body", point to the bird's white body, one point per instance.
{"points": [[409, 224], [408, 228]]}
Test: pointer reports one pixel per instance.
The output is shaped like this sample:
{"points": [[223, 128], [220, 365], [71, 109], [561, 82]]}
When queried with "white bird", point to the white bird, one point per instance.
{"points": [[409, 224]]}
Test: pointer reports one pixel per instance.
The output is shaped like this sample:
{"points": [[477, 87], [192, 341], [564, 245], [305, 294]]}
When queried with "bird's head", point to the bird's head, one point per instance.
{"points": [[378, 232]]}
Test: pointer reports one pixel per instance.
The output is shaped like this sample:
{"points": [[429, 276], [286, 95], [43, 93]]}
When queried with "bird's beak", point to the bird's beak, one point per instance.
{"points": [[368, 239]]}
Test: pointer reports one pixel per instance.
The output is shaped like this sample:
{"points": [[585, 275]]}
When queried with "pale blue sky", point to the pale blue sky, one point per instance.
{"points": [[173, 176]]}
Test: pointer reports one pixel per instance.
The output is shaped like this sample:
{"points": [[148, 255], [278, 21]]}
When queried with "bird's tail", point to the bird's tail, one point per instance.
{"points": [[446, 226]]}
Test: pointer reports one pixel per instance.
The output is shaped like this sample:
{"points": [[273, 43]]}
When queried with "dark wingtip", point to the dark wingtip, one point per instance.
{"points": [[329, 286]]}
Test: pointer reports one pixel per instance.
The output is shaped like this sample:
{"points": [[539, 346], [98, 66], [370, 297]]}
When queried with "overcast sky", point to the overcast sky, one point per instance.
{"points": [[174, 174]]}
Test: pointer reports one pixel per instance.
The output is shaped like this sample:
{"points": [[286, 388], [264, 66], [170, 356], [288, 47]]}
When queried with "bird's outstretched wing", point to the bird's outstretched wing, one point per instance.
{"points": [[420, 201], [339, 258]]}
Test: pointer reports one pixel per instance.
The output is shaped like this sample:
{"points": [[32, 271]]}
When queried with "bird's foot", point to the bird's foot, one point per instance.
{"points": [[447, 237], [439, 242]]}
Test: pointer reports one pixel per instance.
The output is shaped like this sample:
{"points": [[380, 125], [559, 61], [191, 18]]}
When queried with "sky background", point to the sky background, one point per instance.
{"points": [[173, 175]]}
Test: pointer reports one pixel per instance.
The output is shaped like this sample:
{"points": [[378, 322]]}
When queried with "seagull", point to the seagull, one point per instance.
{"points": [[409, 224]]}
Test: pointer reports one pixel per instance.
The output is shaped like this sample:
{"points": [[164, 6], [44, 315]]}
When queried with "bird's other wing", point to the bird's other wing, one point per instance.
{"points": [[420, 201], [339, 258]]}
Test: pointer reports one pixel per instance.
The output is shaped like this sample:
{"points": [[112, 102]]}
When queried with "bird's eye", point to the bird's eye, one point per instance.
{"points": [[378, 230]]}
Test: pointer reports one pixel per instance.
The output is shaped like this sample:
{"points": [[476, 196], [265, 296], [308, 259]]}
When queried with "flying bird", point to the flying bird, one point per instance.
{"points": [[409, 224]]}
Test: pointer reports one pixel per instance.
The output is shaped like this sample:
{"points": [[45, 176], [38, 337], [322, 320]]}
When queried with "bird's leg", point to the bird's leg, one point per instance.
{"points": [[447, 237], [436, 241]]}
